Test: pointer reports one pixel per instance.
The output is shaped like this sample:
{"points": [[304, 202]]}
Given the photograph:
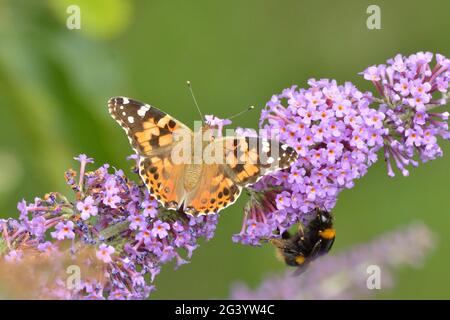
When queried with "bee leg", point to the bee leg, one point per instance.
{"points": [[301, 231], [315, 250], [280, 244]]}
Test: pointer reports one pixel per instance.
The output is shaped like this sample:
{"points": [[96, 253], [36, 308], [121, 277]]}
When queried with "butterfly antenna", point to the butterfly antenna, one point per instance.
{"points": [[242, 112], [195, 100]]}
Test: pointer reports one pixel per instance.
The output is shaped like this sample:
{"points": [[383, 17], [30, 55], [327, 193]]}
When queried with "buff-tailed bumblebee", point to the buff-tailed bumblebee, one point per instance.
{"points": [[311, 241]]}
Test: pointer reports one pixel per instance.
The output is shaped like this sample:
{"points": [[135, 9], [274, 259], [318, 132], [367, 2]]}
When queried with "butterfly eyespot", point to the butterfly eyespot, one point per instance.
{"points": [[212, 200], [220, 195], [156, 176], [226, 191], [153, 170]]}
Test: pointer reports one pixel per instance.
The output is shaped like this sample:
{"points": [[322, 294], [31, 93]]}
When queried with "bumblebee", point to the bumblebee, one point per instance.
{"points": [[310, 242]]}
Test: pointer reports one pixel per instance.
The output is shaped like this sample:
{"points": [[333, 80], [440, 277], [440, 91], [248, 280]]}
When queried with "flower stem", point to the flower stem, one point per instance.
{"points": [[114, 230]]}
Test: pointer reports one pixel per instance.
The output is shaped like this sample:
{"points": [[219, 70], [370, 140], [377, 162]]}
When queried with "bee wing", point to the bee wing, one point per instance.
{"points": [[300, 270]]}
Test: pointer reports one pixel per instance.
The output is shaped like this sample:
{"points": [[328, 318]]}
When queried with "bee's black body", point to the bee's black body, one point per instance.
{"points": [[308, 243]]}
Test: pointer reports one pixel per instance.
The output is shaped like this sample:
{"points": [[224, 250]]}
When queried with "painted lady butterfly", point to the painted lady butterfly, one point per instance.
{"points": [[199, 186]]}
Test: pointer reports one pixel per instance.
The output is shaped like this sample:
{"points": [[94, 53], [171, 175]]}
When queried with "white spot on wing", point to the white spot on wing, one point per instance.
{"points": [[143, 110], [126, 101], [130, 119], [270, 160]]}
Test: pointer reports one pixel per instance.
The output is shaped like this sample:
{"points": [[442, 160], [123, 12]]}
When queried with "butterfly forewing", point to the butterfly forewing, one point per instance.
{"points": [[148, 128], [250, 158], [152, 134]]}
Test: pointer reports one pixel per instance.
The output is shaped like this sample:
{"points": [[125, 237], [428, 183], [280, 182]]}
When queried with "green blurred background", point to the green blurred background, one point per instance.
{"points": [[55, 82]]}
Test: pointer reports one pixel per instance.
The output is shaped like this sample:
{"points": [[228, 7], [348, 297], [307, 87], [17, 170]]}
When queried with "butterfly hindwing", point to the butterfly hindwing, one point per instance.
{"points": [[215, 191], [149, 129], [164, 179]]}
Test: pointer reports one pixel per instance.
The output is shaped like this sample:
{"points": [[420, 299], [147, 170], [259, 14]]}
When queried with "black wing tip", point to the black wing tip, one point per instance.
{"points": [[119, 100]]}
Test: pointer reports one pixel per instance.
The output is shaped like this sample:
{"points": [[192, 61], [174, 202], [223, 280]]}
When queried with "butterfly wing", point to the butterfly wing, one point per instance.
{"points": [[243, 162], [214, 191], [153, 134], [164, 179], [150, 130], [251, 158]]}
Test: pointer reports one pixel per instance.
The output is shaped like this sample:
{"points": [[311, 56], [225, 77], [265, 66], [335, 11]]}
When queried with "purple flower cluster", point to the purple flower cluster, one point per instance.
{"points": [[338, 130], [410, 88], [344, 276], [336, 135], [131, 236]]}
